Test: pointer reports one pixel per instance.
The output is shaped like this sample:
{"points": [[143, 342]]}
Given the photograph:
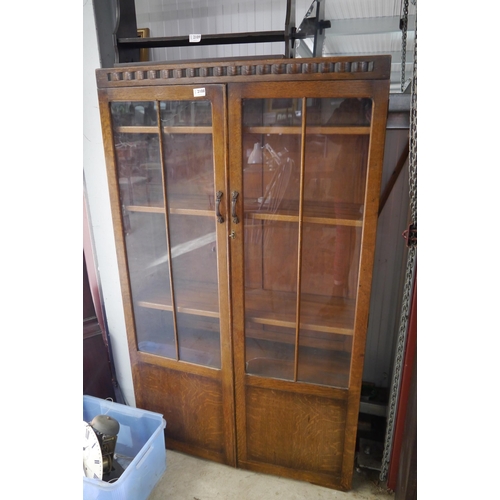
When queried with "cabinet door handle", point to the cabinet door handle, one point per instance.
{"points": [[235, 198], [220, 219]]}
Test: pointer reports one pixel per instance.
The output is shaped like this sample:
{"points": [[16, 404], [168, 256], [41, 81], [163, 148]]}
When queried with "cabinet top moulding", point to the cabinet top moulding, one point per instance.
{"points": [[244, 70]]}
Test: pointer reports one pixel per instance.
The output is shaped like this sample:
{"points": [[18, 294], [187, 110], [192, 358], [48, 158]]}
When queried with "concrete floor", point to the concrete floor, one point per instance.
{"points": [[189, 478]]}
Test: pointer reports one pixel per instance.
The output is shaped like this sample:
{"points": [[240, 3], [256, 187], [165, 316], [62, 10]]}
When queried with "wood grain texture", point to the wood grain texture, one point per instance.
{"points": [[341, 68], [296, 431], [284, 260], [298, 417], [190, 404]]}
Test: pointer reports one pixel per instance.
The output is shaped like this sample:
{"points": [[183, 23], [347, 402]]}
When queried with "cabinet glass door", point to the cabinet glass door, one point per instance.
{"points": [[304, 176], [164, 151]]}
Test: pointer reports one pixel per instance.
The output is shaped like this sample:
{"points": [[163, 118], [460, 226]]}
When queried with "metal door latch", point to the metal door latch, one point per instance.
{"points": [[232, 235]]}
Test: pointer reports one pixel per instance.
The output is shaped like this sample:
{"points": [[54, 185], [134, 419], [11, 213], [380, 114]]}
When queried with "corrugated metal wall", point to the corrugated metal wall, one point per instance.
{"points": [[183, 17], [389, 268]]}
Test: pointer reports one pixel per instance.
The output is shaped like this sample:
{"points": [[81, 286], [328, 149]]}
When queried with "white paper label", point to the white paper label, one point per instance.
{"points": [[194, 38], [199, 92]]}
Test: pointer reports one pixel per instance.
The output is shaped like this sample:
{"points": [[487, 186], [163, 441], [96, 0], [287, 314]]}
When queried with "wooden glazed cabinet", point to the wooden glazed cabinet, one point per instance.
{"points": [[244, 197]]}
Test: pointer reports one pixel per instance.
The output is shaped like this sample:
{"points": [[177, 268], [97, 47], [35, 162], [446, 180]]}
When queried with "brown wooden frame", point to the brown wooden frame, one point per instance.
{"points": [[226, 83], [378, 91]]}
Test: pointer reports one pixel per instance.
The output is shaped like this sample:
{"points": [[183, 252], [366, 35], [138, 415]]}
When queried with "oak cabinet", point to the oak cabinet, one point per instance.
{"points": [[244, 197]]}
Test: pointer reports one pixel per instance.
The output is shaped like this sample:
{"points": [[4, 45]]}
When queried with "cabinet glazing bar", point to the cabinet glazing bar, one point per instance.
{"points": [[169, 248], [299, 244]]}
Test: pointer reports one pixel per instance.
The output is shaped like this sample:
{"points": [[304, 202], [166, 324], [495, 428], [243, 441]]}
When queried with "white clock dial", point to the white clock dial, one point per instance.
{"points": [[92, 455]]}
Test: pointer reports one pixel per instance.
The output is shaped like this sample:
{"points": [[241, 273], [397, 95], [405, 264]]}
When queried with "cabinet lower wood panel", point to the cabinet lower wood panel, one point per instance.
{"points": [[294, 435], [190, 404], [295, 430]]}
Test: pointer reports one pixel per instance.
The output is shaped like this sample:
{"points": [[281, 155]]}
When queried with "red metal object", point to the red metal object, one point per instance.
{"points": [[410, 352]]}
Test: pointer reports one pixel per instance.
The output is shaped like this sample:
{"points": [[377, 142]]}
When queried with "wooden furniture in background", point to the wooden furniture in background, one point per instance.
{"points": [[244, 199], [97, 379]]}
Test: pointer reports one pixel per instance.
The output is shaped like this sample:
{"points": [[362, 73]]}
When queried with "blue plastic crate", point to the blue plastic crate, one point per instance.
{"points": [[140, 448]]}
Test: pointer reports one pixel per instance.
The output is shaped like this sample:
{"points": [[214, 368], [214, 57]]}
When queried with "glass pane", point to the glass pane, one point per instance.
{"points": [[137, 153], [271, 182], [271, 298], [150, 284], [140, 181], [336, 151], [155, 332], [194, 265], [334, 189], [341, 112], [189, 164], [190, 175], [186, 113], [199, 340]]}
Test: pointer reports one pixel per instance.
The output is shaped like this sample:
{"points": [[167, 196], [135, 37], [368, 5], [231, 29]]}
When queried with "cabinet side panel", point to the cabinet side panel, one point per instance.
{"points": [[298, 431]]}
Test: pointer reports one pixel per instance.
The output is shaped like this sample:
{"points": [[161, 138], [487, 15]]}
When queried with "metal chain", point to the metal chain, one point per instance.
{"points": [[409, 277], [413, 136], [398, 362], [404, 28]]}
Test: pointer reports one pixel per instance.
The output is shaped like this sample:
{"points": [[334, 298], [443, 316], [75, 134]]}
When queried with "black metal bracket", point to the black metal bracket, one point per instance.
{"points": [[315, 26], [126, 27], [128, 44], [410, 235]]}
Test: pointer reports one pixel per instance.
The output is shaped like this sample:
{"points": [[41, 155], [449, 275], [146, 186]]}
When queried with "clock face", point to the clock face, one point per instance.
{"points": [[92, 456]]}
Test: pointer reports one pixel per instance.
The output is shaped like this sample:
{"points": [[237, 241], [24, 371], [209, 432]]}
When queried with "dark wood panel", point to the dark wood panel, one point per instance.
{"points": [[97, 378], [297, 431], [246, 69], [88, 303]]}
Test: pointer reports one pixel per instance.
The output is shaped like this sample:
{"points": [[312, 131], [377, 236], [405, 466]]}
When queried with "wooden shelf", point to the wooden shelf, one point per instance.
{"points": [[314, 213], [323, 130], [307, 338], [199, 299], [173, 210], [131, 129], [329, 368], [201, 348], [151, 210], [252, 216], [202, 129], [318, 313], [181, 205], [309, 219]]}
